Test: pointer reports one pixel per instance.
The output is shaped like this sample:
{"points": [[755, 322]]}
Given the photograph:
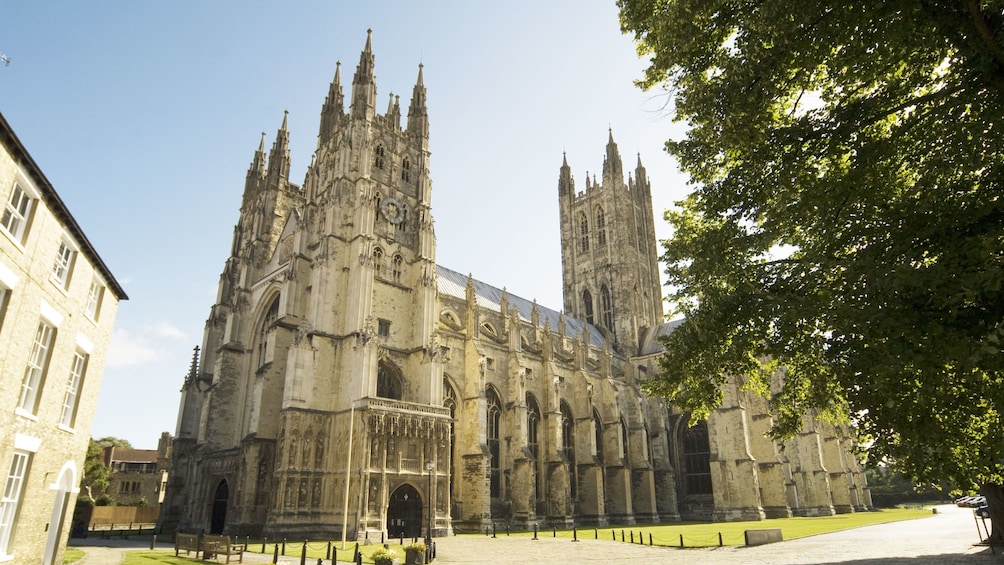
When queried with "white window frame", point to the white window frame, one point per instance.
{"points": [[74, 383], [94, 298], [14, 221], [38, 363], [10, 499], [62, 267]]}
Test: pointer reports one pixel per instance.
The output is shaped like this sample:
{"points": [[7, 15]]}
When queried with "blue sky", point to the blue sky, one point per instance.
{"points": [[145, 117]]}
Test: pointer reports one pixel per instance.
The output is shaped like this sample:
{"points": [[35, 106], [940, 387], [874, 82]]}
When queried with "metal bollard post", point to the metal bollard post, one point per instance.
{"points": [[247, 539], [327, 554], [719, 539], [263, 540], [535, 530], [284, 547], [493, 529], [303, 553], [681, 540], [622, 535], [153, 542], [613, 535], [575, 534], [555, 531], [632, 536], [650, 538], [275, 554], [359, 559]]}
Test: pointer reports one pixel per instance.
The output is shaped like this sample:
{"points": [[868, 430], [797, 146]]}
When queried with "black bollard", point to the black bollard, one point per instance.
{"points": [[320, 561], [354, 552], [650, 538], [613, 535], [575, 534], [555, 531], [401, 542], [359, 559], [641, 540], [153, 542], [507, 529], [622, 535], [719, 539], [681, 540], [275, 554], [381, 537], [534, 531], [263, 545], [327, 554], [284, 547], [247, 540], [596, 533], [493, 529], [303, 553], [632, 536]]}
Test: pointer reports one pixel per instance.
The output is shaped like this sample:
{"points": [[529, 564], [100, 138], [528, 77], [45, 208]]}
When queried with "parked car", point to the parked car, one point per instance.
{"points": [[963, 502], [976, 501], [983, 511]]}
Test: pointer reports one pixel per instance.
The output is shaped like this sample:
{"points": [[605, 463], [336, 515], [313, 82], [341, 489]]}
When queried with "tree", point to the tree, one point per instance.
{"points": [[96, 473], [111, 441], [846, 225]]}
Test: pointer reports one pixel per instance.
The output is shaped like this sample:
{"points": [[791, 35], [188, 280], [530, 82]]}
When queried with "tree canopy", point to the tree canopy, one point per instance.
{"points": [[846, 224]]}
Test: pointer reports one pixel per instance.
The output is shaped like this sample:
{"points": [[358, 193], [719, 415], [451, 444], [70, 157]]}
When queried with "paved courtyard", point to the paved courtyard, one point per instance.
{"points": [[947, 537]]}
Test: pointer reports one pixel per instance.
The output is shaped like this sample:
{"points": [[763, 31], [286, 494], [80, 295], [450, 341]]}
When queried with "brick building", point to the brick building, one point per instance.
{"points": [[57, 306], [138, 477]]}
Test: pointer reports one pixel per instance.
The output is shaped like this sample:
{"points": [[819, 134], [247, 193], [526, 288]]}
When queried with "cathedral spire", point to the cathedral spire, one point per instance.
{"points": [[278, 157], [418, 114], [364, 82], [566, 185], [612, 169], [257, 168], [334, 106]]}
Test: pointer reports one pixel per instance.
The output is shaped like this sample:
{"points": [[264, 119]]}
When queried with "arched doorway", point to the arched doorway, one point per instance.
{"points": [[219, 518], [404, 513]]}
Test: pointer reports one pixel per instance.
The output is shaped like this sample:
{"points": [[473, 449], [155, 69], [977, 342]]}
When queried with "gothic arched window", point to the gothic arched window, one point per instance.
{"points": [[398, 265], [266, 331], [587, 301], [601, 228], [597, 437], [624, 439], [532, 425], [377, 261], [697, 459], [378, 156], [494, 445], [606, 308], [388, 382], [406, 170], [568, 445], [583, 233], [450, 401]]}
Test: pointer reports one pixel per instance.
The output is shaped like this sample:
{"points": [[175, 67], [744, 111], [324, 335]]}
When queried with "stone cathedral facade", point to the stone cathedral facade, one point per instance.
{"points": [[348, 383]]}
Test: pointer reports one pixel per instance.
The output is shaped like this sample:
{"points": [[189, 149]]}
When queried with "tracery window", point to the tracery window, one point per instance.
{"points": [[568, 446], [266, 331], [494, 445], [587, 301], [388, 382], [597, 437], [532, 425], [378, 156], [450, 401], [583, 233], [601, 228], [606, 308], [697, 459], [377, 261], [406, 170], [398, 267]]}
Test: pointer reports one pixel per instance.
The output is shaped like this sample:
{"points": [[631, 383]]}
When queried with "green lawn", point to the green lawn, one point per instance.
{"points": [[695, 534], [72, 555], [705, 534]]}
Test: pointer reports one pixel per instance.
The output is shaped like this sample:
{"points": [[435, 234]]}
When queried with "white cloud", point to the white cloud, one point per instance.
{"points": [[126, 350], [165, 329]]}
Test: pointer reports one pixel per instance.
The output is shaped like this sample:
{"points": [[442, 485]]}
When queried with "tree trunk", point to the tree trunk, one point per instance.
{"points": [[995, 500]]}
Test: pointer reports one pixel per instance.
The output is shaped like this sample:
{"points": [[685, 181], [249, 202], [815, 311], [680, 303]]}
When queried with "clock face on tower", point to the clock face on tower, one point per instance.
{"points": [[393, 210]]}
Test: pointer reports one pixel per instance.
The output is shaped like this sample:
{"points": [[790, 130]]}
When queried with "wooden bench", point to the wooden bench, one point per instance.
{"points": [[213, 546], [187, 543]]}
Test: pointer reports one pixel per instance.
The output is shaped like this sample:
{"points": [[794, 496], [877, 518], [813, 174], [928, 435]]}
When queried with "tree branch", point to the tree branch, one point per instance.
{"points": [[983, 27]]}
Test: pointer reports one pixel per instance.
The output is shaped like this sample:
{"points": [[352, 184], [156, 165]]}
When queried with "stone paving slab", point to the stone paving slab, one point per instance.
{"points": [[948, 537]]}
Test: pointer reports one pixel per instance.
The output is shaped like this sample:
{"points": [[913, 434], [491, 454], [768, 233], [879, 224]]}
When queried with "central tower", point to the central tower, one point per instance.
{"points": [[609, 260]]}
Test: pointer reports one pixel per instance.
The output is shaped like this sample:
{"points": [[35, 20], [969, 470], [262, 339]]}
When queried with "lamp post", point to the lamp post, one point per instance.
{"points": [[430, 467]]}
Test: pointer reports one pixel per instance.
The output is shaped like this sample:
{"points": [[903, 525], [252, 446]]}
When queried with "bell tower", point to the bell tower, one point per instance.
{"points": [[609, 259]]}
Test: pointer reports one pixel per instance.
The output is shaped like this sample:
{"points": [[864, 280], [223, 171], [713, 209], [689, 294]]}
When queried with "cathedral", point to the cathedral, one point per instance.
{"points": [[348, 385]]}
